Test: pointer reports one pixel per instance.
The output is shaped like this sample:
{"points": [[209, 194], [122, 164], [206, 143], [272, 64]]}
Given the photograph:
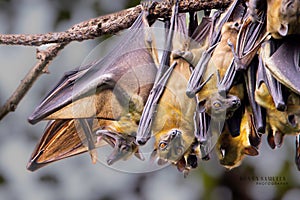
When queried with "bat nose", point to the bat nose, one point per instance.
{"points": [[141, 141], [236, 102]]}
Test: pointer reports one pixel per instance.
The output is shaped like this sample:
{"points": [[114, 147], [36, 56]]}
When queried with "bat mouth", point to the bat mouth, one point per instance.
{"points": [[292, 120]]}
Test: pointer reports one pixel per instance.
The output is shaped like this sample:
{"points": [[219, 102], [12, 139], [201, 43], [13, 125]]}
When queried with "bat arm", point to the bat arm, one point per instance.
{"points": [[144, 128], [89, 136], [225, 84], [194, 84]]}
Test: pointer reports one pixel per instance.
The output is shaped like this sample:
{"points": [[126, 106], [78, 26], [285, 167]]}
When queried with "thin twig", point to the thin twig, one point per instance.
{"points": [[44, 57]]}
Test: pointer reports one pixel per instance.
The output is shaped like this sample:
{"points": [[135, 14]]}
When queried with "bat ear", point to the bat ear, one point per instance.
{"points": [[139, 155], [283, 30], [153, 154], [278, 139], [201, 106], [161, 161], [250, 151]]}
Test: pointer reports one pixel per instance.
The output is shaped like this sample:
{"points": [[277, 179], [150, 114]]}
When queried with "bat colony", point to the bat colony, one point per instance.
{"points": [[221, 84]]}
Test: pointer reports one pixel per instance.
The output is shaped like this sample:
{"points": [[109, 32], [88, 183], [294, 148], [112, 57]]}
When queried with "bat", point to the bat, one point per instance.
{"points": [[64, 138], [212, 101], [232, 150], [163, 73], [170, 116], [281, 118], [282, 15], [233, 13], [113, 89], [173, 121]]}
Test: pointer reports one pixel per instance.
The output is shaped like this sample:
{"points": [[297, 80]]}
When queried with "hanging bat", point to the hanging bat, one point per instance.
{"points": [[282, 16], [64, 138], [173, 121], [146, 121], [233, 13], [214, 102], [114, 88], [279, 102], [232, 150]]}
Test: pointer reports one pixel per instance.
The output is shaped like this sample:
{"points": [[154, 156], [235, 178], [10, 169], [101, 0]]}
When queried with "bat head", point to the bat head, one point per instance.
{"points": [[231, 150], [218, 106], [170, 147], [123, 147]]}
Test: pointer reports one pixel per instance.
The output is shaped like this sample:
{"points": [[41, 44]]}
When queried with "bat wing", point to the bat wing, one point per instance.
{"points": [[61, 139], [258, 113], [103, 88], [284, 63], [274, 86]]}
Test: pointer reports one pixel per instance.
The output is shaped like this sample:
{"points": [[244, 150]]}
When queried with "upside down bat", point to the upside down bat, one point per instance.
{"points": [[110, 92], [172, 124], [232, 150], [233, 13], [280, 98], [64, 138]]}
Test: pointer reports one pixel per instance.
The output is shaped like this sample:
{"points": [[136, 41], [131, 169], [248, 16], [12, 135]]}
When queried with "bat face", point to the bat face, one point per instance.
{"points": [[282, 17], [232, 150], [219, 106], [171, 146]]}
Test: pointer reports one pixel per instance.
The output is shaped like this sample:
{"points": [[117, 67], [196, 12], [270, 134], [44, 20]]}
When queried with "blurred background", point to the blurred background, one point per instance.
{"points": [[76, 178]]}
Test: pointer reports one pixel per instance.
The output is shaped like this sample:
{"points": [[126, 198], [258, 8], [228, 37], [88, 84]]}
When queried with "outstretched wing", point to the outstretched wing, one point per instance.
{"points": [[101, 89]]}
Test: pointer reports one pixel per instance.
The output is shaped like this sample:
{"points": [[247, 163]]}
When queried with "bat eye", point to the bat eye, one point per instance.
{"points": [[217, 104], [174, 133], [163, 145], [124, 148]]}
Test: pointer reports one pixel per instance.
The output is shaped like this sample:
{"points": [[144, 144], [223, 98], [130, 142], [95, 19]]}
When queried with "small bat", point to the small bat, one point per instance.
{"points": [[114, 89], [146, 121], [280, 118], [233, 13], [173, 121], [282, 16], [232, 150], [214, 102], [64, 138]]}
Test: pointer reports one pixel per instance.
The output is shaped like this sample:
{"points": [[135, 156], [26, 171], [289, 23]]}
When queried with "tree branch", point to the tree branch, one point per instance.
{"points": [[108, 24], [96, 27]]}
